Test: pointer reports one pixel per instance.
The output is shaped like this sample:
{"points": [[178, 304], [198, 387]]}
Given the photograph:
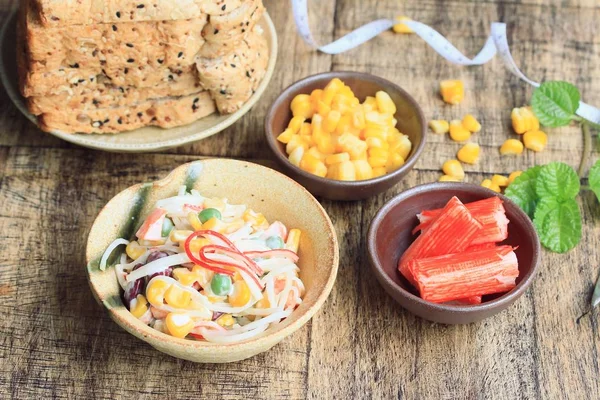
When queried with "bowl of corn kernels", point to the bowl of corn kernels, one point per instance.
{"points": [[346, 135]]}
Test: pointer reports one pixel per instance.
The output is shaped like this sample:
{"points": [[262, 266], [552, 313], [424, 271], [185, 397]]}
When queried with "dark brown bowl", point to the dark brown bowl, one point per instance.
{"points": [[410, 118], [390, 235]]}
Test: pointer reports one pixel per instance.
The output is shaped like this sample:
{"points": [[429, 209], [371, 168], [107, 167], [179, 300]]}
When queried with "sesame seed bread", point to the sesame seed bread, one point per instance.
{"points": [[165, 113], [85, 12]]}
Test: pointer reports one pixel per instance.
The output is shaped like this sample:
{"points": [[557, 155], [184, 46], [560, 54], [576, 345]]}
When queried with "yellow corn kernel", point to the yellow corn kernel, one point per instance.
{"points": [[331, 90], [487, 183], [358, 117], [331, 121], [394, 162], [514, 175], [395, 136], [469, 153], [177, 297], [452, 91], [296, 141], [400, 27], [379, 171], [321, 170], [296, 156], [194, 221], [240, 295], [214, 224], [325, 144], [377, 162], [295, 124], [403, 147], [448, 178], [378, 153], [254, 218], [134, 250], [439, 126], [344, 124], [179, 235], [337, 158], [316, 96], [499, 180], [302, 107], [511, 146], [317, 126], [141, 306], [314, 151], [293, 240], [363, 169], [376, 143], [226, 320], [263, 303], [370, 104], [352, 145], [347, 91], [310, 163], [184, 276], [454, 168], [385, 104], [524, 120], [286, 136], [306, 129], [458, 132], [346, 171], [535, 140], [197, 244], [155, 292], [322, 108], [179, 324], [471, 124], [375, 130]]}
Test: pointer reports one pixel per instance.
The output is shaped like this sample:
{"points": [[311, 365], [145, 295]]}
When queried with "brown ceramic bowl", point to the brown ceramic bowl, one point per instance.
{"points": [[390, 235], [410, 118], [242, 183]]}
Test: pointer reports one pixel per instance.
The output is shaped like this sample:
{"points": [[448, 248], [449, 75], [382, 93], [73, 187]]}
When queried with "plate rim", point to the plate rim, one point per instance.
{"points": [[87, 140]]}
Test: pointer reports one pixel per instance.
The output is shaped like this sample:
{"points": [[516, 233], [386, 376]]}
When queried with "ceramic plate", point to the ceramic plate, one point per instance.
{"points": [[262, 189], [144, 139]]}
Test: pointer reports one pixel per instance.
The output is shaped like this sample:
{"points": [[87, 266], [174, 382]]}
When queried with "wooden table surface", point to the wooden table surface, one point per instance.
{"points": [[56, 341]]}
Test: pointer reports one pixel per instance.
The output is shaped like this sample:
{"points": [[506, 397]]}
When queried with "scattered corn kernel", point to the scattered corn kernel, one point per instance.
{"points": [[177, 297], [499, 180], [333, 135], [439, 126], [469, 153], [535, 140], [487, 183], [194, 221], [471, 123], [452, 91], [179, 325], [155, 292], [141, 306], [214, 224], [134, 250], [454, 168], [448, 178], [524, 120], [458, 132], [400, 27], [240, 295], [511, 146], [226, 320], [514, 175]]}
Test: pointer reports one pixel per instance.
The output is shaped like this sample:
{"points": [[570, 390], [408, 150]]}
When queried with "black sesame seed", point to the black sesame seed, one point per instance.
{"points": [[216, 31], [107, 120], [171, 77], [232, 65], [141, 6], [121, 89], [248, 74], [114, 28], [126, 71], [129, 45], [160, 61], [180, 54], [118, 14], [140, 115], [131, 60], [120, 121], [153, 119], [81, 80], [223, 91], [224, 7], [76, 65], [96, 102], [243, 30]]}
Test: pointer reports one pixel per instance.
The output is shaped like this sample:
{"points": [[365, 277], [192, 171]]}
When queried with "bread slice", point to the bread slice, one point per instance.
{"points": [[165, 113], [106, 95], [86, 12], [233, 78], [154, 44]]}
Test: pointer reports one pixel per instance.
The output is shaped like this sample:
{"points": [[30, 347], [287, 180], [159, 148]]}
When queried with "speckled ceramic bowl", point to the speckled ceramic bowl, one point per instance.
{"points": [[262, 189], [390, 235]]}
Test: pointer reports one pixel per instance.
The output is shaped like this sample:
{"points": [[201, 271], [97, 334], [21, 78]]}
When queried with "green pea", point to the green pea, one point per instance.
{"points": [[167, 227], [220, 285], [275, 242], [209, 213]]}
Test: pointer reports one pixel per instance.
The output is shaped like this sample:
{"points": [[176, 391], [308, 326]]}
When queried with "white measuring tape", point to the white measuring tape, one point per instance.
{"points": [[497, 43]]}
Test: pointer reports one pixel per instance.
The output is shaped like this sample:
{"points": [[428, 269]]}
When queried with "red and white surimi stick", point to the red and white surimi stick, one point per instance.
{"points": [[452, 232], [459, 276]]}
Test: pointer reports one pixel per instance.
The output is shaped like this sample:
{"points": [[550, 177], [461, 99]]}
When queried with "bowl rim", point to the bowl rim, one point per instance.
{"points": [[127, 320], [407, 166], [500, 302], [120, 144]]}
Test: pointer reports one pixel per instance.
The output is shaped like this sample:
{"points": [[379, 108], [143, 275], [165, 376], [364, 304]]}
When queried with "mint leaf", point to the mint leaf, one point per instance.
{"points": [[557, 180], [522, 190], [561, 224], [555, 103], [544, 206], [594, 179]]}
